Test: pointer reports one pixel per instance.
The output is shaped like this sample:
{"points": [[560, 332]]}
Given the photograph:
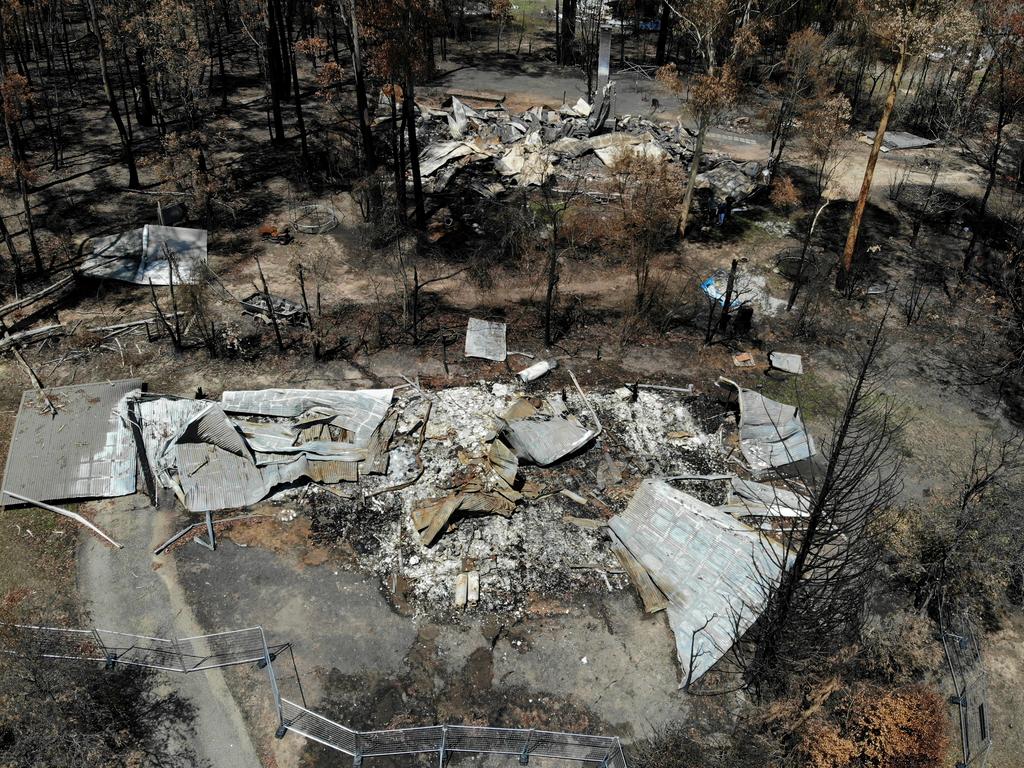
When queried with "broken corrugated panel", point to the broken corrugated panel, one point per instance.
{"points": [[544, 441], [777, 501], [486, 339], [377, 446], [359, 410], [772, 434], [162, 419], [85, 451], [212, 478], [706, 563]]}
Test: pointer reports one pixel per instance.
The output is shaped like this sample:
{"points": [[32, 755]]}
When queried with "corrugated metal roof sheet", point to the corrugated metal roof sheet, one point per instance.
{"points": [[141, 255], [485, 339], [704, 562], [86, 451], [772, 434], [212, 478]]}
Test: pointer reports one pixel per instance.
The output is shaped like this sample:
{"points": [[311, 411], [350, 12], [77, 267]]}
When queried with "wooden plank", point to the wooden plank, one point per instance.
{"points": [[654, 599]]}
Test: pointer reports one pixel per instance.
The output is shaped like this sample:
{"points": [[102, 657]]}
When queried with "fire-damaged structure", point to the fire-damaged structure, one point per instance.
{"points": [[478, 496]]}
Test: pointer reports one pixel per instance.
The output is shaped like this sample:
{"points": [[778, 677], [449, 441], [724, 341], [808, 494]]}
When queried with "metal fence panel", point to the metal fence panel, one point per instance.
{"points": [[319, 728], [246, 646], [56, 643]]}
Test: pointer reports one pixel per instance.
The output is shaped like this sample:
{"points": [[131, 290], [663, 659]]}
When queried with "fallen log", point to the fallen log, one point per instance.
{"points": [[34, 334], [14, 306], [66, 513], [123, 326]]}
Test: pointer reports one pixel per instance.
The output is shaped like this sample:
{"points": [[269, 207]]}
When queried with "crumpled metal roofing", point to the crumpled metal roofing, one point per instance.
{"points": [[767, 500], [705, 562], [86, 451], [545, 440], [215, 461], [772, 434], [141, 255], [486, 339], [161, 420]]}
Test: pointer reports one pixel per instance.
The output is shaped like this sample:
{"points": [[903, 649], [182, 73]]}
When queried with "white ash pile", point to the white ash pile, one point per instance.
{"points": [[497, 544]]}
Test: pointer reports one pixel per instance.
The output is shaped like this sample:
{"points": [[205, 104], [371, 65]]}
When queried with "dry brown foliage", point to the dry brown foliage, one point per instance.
{"points": [[878, 727], [784, 193]]}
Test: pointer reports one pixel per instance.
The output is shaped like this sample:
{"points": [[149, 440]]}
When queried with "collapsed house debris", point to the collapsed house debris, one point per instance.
{"points": [[72, 443], [729, 179], [772, 434], [709, 566], [466, 498], [486, 339], [147, 255], [540, 143]]}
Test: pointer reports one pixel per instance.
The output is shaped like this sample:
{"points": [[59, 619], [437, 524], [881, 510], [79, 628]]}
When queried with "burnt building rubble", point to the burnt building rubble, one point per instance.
{"points": [[488, 152], [475, 498]]}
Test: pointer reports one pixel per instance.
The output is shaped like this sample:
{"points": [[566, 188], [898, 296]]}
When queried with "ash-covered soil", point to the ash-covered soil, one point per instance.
{"points": [[543, 548]]}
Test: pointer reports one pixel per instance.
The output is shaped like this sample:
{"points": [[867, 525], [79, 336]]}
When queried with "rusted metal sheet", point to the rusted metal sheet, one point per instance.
{"points": [[85, 451]]}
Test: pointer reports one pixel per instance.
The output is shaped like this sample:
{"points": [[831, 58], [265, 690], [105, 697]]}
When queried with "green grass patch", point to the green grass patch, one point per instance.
{"points": [[819, 400]]}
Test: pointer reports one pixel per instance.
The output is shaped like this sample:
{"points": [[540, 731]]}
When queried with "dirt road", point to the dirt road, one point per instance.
{"points": [[124, 593]]}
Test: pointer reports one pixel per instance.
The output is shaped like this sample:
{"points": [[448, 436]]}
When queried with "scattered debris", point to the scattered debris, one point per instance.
{"points": [[486, 339], [743, 360], [537, 370], [271, 233], [729, 179], [748, 290], [260, 306]]}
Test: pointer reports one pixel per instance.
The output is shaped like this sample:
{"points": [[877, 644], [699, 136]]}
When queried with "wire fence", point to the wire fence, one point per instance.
{"points": [[963, 655], [249, 646], [186, 654], [444, 740]]}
